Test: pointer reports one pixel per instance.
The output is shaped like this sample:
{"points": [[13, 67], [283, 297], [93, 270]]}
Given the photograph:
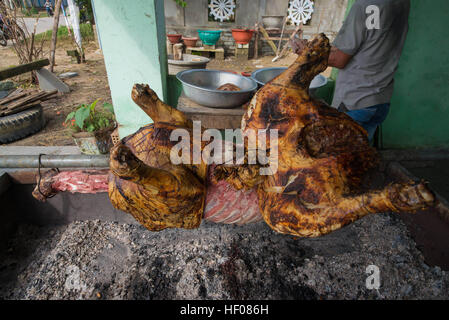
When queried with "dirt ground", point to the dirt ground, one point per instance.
{"points": [[92, 84]]}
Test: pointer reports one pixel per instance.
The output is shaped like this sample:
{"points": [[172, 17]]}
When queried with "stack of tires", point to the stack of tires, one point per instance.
{"points": [[20, 125]]}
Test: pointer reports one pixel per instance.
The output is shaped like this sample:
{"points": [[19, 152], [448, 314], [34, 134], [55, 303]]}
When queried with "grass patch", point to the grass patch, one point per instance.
{"points": [[30, 12], [34, 13], [87, 33]]}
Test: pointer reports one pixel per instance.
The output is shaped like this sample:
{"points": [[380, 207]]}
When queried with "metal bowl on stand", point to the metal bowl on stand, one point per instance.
{"points": [[201, 87], [188, 62], [263, 76]]}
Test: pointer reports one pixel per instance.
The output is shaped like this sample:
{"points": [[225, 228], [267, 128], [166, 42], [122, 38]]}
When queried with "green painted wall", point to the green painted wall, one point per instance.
{"points": [[419, 114], [133, 41], [174, 91]]}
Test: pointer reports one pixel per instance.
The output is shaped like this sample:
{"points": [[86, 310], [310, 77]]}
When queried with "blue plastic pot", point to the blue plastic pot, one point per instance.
{"points": [[209, 37]]}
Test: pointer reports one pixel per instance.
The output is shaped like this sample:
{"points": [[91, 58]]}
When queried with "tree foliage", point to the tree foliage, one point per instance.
{"points": [[181, 3], [86, 11]]}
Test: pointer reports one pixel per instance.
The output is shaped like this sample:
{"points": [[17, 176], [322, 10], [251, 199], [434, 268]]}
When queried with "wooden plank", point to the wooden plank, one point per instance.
{"points": [[275, 39], [23, 101], [188, 106], [24, 68], [284, 50], [282, 35], [20, 109], [10, 98], [40, 96], [266, 36], [202, 49], [256, 44]]}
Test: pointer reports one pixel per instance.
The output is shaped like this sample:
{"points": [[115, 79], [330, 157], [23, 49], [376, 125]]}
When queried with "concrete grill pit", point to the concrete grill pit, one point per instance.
{"points": [[79, 247]]}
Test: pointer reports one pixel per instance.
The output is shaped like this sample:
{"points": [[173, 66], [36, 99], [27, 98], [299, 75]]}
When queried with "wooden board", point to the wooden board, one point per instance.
{"points": [[24, 68], [219, 52], [266, 36], [22, 102], [211, 118]]}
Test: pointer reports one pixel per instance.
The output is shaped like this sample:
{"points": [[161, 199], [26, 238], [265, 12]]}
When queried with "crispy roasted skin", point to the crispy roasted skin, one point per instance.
{"points": [[144, 182], [323, 156]]}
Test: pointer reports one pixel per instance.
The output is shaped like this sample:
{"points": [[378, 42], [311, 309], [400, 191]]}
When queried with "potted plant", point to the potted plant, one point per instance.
{"points": [[91, 127], [209, 37], [190, 41], [272, 22], [174, 38], [242, 36]]}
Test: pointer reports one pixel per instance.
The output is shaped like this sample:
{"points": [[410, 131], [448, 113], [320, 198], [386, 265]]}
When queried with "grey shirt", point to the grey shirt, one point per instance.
{"points": [[367, 80]]}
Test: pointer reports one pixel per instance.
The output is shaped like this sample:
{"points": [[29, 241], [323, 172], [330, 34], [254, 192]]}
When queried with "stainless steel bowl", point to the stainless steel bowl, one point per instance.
{"points": [[201, 87], [263, 76]]}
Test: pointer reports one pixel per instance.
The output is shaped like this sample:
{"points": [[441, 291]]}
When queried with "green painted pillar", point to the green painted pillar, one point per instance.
{"points": [[133, 42]]}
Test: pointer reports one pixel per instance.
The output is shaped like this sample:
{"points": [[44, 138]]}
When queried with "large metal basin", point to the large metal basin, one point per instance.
{"points": [[263, 76], [201, 87]]}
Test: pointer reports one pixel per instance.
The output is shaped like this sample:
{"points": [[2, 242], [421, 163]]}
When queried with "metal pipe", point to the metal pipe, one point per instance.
{"points": [[54, 161]]}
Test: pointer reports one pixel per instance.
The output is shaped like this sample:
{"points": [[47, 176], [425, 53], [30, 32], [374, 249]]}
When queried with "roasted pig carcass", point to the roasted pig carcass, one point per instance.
{"points": [[143, 179], [322, 157], [145, 182]]}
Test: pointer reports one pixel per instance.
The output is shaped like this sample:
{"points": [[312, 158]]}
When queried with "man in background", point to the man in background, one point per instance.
{"points": [[49, 8], [367, 53]]}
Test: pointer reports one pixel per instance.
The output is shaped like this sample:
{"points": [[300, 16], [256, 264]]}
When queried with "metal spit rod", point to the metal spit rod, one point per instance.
{"points": [[54, 161]]}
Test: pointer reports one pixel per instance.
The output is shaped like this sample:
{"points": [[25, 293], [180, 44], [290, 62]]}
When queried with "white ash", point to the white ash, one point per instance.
{"points": [[99, 260]]}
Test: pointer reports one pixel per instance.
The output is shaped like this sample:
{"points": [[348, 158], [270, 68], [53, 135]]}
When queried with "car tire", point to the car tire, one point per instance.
{"points": [[21, 125]]}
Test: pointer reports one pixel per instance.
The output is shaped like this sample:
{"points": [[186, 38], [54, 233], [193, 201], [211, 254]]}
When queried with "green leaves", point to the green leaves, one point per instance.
{"points": [[81, 115], [181, 3], [70, 116], [109, 107], [93, 105], [90, 117], [90, 128]]}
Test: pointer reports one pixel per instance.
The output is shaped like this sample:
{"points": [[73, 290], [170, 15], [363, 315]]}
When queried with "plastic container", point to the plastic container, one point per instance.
{"points": [[190, 42], [174, 38], [242, 36], [209, 37]]}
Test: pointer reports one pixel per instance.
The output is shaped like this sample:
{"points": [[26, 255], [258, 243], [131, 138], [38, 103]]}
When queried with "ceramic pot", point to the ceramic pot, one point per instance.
{"points": [[272, 22], [242, 36], [174, 38], [190, 42]]}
